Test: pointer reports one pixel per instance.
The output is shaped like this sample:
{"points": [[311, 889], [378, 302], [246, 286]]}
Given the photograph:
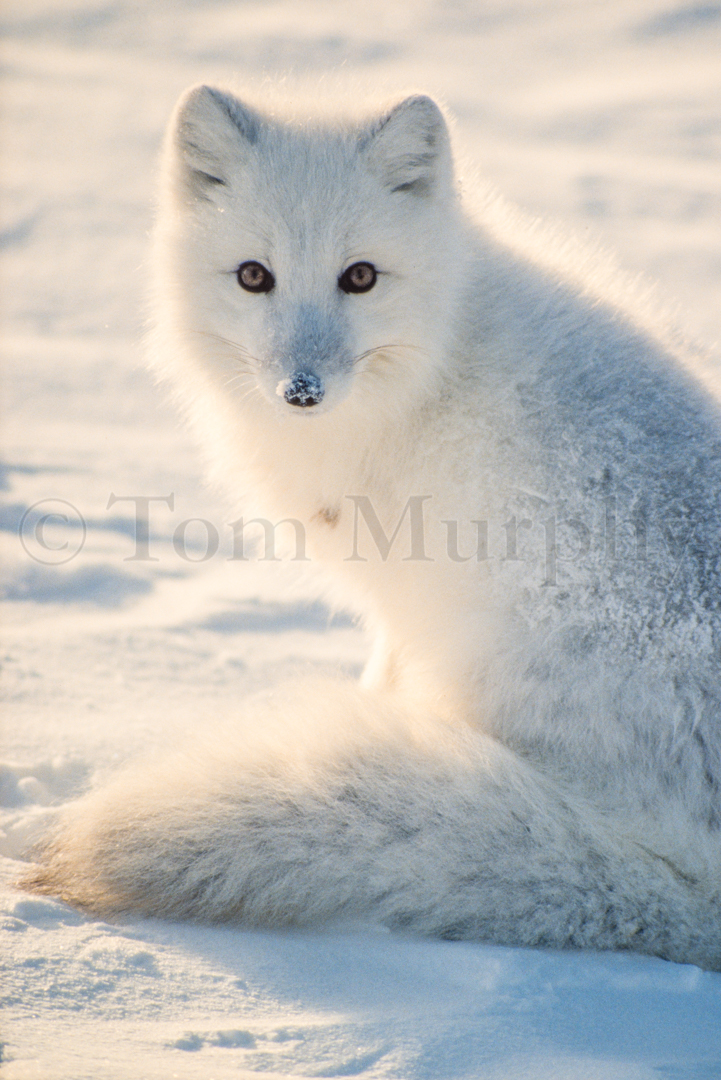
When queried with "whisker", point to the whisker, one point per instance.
{"points": [[389, 346], [373, 373], [235, 345], [233, 380], [253, 390]]}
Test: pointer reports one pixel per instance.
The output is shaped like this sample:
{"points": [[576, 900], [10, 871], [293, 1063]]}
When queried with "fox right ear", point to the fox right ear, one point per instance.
{"points": [[212, 132]]}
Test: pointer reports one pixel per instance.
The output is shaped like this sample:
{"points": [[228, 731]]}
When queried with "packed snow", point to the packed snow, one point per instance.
{"points": [[125, 630]]}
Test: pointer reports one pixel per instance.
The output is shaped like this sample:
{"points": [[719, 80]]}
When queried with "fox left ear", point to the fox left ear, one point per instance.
{"points": [[410, 147]]}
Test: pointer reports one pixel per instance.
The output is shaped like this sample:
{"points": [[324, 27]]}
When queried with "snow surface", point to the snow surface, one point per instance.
{"points": [[604, 114]]}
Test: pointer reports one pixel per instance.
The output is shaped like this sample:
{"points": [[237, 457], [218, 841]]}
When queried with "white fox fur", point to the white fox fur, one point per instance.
{"points": [[534, 754]]}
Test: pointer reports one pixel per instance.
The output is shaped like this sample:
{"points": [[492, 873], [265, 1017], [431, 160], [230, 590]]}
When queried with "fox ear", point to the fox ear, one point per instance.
{"points": [[410, 147], [212, 132]]}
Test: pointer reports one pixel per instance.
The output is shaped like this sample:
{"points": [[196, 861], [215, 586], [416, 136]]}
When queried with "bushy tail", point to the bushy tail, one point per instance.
{"points": [[330, 804]]}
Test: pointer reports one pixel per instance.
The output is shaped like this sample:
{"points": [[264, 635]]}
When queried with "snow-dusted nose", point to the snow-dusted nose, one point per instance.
{"points": [[302, 389]]}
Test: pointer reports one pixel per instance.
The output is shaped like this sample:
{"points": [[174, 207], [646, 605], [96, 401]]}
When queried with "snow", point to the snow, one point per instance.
{"points": [[602, 114]]}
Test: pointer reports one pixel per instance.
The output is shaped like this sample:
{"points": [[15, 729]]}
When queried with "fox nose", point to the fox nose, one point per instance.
{"points": [[303, 389]]}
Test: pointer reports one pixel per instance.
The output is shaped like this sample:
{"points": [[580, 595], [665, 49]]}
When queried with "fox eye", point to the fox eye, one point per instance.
{"points": [[360, 277], [253, 277]]}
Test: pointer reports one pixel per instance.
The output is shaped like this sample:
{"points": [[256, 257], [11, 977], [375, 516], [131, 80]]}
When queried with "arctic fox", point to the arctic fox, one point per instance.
{"points": [[514, 477]]}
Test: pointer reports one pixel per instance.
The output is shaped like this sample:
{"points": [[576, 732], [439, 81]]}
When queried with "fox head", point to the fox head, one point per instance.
{"points": [[308, 265]]}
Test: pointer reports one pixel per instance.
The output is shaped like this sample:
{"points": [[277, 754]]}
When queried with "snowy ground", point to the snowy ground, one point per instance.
{"points": [[605, 114]]}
